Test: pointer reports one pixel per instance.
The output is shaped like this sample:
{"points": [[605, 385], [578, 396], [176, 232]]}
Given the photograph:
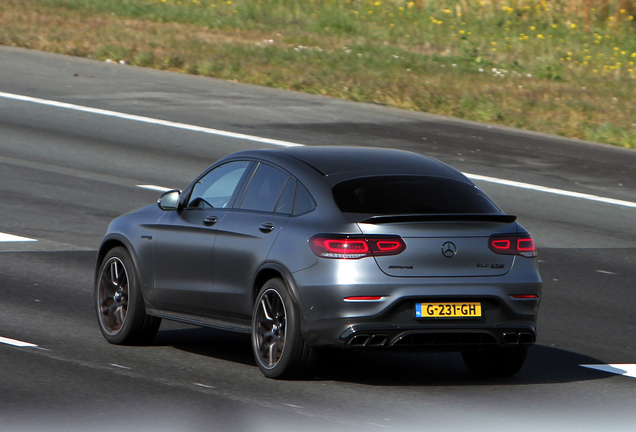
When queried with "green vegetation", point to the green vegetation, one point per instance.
{"points": [[558, 66]]}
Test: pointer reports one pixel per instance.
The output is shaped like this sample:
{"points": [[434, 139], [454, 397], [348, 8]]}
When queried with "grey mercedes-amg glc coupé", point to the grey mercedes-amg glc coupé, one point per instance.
{"points": [[314, 247]]}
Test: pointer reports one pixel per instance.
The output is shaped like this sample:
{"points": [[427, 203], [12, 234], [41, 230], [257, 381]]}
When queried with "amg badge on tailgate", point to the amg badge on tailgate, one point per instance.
{"points": [[491, 266]]}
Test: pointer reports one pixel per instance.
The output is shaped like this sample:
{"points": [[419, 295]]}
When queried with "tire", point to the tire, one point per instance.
{"points": [[121, 313], [279, 349], [501, 362]]}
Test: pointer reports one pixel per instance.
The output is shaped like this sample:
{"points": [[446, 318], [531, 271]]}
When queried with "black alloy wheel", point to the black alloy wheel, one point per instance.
{"points": [[113, 295], [120, 307], [279, 349]]}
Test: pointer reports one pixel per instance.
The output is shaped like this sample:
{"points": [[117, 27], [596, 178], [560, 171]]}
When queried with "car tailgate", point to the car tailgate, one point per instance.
{"points": [[442, 246]]}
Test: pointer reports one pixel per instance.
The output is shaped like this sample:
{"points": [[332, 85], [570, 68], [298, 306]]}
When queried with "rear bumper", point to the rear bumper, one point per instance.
{"points": [[437, 339], [323, 288], [329, 320], [437, 336]]}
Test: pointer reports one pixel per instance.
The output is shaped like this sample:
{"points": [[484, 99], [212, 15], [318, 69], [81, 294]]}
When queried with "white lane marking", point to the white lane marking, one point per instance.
{"points": [[17, 343], [551, 190], [14, 238], [155, 188], [184, 126], [605, 272], [379, 425], [204, 385], [293, 406], [625, 369], [148, 120], [119, 366]]}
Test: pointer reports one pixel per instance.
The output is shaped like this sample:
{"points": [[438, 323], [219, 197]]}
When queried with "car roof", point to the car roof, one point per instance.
{"points": [[342, 163]]}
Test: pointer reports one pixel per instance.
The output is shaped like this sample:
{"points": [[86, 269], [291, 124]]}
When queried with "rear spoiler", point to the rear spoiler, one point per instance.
{"points": [[501, 218]]}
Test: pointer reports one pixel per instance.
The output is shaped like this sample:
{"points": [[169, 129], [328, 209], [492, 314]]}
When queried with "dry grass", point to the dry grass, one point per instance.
{"points": [[494, 75], [76, 34]]}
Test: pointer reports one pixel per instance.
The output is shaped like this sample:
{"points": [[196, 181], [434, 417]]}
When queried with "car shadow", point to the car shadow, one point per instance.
{"points": [[545, 365], [207, 342]]}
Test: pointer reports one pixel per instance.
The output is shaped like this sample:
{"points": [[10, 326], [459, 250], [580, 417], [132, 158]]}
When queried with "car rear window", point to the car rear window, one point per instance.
{"points": [[392, 195]]}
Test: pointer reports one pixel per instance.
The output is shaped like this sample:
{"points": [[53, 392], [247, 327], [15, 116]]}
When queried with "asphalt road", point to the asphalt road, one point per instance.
{"points": [[64, 174]]}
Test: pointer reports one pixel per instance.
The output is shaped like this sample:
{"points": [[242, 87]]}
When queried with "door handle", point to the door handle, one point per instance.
{"points": [[210, 220], [266, 227]]}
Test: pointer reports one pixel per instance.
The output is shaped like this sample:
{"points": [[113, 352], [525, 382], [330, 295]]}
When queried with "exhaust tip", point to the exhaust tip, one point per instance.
{"points": [[511, 338], [359, 341], [526, 339], [377, 340], [366, 340]]}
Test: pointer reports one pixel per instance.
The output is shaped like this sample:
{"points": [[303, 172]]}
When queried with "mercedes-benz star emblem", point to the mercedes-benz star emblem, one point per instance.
{"points": [[449, 249]]}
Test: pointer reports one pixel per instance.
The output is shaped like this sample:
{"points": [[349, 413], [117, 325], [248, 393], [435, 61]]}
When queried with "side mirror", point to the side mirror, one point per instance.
{"points": [[169, 201]]}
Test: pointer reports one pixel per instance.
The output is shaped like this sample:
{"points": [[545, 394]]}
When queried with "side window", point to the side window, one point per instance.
{"points": [[215, 189], [304, 203], [286, 201], [265, 189]]}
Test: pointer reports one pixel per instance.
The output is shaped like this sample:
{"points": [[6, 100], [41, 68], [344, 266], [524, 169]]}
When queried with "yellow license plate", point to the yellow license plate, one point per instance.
{"points": [[447, 310]]}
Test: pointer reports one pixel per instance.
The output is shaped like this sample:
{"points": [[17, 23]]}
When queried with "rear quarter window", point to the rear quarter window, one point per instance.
{"points": [[303, 203], [392, 195]]}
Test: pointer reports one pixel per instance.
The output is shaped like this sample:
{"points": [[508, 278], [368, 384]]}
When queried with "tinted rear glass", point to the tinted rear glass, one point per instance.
{"points": [[265, 189], [304, 203], [286, 201], [391, 195]]}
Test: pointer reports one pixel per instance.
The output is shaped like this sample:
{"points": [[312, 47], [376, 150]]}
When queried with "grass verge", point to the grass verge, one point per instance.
{"points": [[558, 66]]}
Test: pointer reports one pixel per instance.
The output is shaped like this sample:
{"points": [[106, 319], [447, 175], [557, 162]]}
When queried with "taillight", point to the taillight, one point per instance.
{"points": [[513, 244], [386, 245], [355, 246]]}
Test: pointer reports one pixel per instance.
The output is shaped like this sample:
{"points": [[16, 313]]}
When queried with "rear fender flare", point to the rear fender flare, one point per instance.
{"points": [[286, 276]]}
